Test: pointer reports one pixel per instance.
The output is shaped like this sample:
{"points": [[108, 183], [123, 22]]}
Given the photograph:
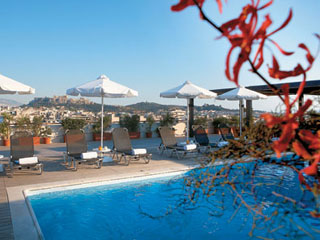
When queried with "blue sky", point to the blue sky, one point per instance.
{"points": [[55, 45]]}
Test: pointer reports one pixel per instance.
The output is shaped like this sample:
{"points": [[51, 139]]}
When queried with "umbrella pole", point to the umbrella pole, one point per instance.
{"points": [[240, 116], [188, 100], [101, 144]]}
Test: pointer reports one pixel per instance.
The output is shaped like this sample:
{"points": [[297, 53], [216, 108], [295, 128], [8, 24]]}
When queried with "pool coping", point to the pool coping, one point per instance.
{"points": [[24, 222]]}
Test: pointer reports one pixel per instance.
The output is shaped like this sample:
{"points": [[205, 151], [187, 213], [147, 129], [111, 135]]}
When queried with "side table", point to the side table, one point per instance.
{"points": [[104, 154]]}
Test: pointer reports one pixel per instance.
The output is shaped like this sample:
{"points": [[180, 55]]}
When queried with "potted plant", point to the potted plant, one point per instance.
{"points": [[219, 122], [167, 121], [23, 123], [72, 124], [132, 124], [5, 128], [201, 121], [96, 129], [46, 135], [150, 121], [36, 126]]}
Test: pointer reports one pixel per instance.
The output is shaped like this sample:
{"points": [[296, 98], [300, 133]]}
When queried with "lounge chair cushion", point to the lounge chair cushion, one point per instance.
{"points": [[190, 146], [28, 160], [89, 155], [223, 143], [137, 151], [182, 144]]}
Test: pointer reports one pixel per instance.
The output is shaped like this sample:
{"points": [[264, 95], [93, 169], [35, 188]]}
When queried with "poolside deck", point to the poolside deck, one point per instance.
{"points": [[56, 171]]}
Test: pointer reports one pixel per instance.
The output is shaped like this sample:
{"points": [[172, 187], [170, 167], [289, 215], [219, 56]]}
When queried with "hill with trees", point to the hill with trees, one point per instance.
{"points": [[96, 107]]}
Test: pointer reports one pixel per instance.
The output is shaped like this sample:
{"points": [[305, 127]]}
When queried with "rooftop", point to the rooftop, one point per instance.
{"points": [[312, 87]]}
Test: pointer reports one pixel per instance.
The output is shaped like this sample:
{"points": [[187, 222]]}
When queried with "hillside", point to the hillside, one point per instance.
{"points": [[142, 107], [8, 102]]}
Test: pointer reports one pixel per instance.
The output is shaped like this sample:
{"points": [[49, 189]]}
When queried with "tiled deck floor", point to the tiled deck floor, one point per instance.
{"points": [[6, 231], [55, 170]]}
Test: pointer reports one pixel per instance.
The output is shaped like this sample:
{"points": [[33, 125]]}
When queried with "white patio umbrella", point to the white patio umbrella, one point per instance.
{"points": [[10, 86], [240, 94], [188, 90], [102, 87]]}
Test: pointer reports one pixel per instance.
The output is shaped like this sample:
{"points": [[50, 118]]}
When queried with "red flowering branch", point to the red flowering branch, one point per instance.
{"points": [[242, 32], [254, 69]]}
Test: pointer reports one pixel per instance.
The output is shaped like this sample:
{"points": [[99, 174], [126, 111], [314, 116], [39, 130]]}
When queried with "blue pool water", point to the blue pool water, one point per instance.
{"points": [[155, 209]]}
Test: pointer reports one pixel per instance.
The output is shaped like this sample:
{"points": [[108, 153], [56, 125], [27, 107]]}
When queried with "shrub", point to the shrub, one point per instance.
{"points": [[96, 127], [130, 122], [36, 125], [150, 121], [23, 123], [167, 120], [201, 121], [73, 123], [5, 126]]}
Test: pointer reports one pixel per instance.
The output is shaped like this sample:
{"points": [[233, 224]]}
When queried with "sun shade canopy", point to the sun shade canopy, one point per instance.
{"points": [[188, 90], [102, 87], [241, 93], [10, 86]]}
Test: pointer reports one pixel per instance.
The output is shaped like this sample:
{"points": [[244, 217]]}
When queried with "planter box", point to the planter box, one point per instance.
{"points": [[46, 140], [107, 136], [36, 140], [134, 135], [148, 134], [97, 136], [6, 142], [201, 131]]}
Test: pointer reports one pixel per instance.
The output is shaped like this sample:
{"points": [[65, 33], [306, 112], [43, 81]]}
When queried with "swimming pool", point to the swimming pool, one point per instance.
{"points": [[156, 209]]}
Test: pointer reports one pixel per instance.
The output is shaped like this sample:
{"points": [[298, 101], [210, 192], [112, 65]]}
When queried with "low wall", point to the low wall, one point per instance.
{"points": [[57, 135]]}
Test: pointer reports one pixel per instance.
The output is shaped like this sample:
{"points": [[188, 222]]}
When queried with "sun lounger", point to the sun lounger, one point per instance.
{"points": [[123, 150], [22, 153], [77, 150], [226, 135], [201, 138], [169, 143]]}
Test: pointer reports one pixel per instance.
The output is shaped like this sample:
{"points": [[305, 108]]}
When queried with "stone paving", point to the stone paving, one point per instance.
{"points": [[56, 170]]}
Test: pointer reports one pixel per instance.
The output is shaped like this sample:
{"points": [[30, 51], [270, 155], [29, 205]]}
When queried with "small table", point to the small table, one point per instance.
{"points": [[103, 154]]}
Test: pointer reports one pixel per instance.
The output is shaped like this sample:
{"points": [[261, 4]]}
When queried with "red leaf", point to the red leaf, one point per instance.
{"points": [[284, 24], [280, 49], [309, 57], [219, 5], [184, 4], [300, 150], [266, 5], [303, 109], [271, 120], [299, 92]]}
